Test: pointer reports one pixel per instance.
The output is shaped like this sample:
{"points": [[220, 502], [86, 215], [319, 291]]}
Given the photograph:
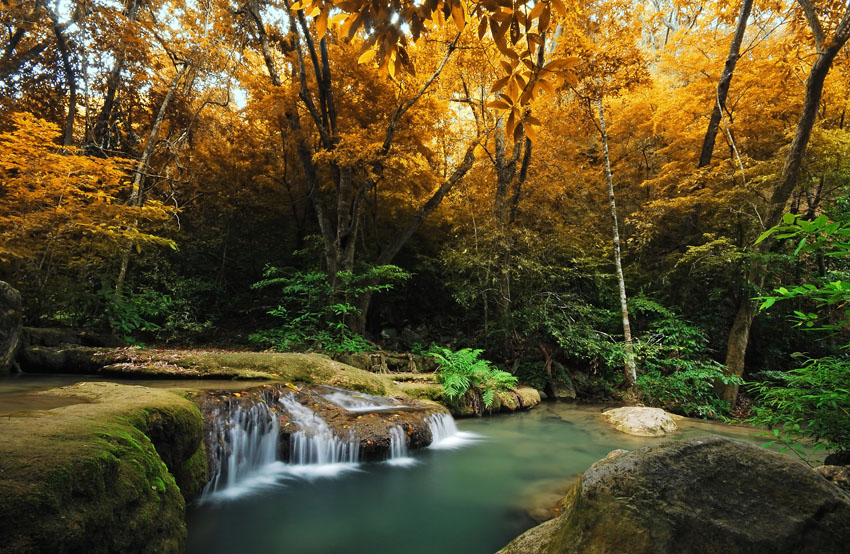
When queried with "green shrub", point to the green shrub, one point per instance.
{"points": [[317, 315], [812, 401], [464, 368], [676, 372]]}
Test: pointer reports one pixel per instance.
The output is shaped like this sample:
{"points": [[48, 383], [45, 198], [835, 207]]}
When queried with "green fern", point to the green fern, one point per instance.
{"points": [[462, 369]]}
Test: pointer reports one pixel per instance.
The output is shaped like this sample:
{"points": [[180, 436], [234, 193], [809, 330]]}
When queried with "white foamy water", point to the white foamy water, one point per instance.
{"points": [[445, 434], [246, 446], [246, 451], [314, 443], [398, 455], [359, 402]]}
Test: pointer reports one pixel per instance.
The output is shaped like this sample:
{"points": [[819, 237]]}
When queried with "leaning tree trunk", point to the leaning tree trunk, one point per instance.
{"points": [[630, 373], [358, 323], [827, 50], [723, 85], [136, 194]]}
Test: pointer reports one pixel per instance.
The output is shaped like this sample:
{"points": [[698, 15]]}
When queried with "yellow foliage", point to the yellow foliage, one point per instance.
{"points": [[55, 201]]}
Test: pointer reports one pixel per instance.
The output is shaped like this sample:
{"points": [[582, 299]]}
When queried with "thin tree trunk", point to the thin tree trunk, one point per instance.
{"points": [[723, 85], [548, 358], [70, 76], [101, 131], [136, 194], [630, 373], [827, 50]]}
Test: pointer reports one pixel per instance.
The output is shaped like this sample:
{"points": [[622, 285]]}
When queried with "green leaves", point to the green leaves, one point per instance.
{"points": [[316, 313], [812, 400], [463, 369]]}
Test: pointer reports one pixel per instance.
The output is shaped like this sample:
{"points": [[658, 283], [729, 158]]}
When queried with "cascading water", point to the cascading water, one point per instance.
{"points": [[245, 432], [245, 443], [398, 454], [314, 450], [445, 435], [359, 402]]}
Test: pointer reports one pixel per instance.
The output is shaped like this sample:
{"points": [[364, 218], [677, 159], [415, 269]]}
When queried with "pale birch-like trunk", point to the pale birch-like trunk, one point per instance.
{"points": [[630, 373]]}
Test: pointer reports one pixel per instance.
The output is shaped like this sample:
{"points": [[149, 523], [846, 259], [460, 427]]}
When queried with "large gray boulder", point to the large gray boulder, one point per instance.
{"points": [[10, 325], [703, 495]]}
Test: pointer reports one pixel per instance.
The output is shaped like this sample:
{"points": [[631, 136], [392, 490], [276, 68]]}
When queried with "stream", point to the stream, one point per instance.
{"points": [[471, 492]]}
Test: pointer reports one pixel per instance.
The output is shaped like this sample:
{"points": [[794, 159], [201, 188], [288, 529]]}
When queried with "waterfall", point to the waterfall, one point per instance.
{"points": [[351, 401], [398, 454], [244, 443], [244, 433], [314, 451], [445, 435]]}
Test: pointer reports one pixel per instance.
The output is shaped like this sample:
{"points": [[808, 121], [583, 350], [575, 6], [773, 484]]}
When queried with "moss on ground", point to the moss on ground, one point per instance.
{"points": [[200, 364], [96, 476]]}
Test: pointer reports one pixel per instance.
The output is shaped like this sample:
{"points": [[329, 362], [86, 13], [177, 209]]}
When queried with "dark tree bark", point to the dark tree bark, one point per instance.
{"points": [[723, 85], [101, 132], [10, 325], [12, 59], [70, 77], [339, 212], [827, 49]]}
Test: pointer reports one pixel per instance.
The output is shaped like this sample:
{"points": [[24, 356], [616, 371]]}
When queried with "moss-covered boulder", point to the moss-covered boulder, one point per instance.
{"points": [[111, 473], [472, 402], [702, 495]]}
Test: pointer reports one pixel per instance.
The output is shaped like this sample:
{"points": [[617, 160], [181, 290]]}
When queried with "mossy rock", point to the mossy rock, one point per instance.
{"points": [[99, 476], [696, 496], [200, 364]]}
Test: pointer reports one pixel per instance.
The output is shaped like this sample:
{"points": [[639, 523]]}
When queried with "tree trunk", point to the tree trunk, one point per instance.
{"points": [[548, 358], [827, 50], [70, 77], [10, 325], [630, 372], [386, 256], [100, 136], [723, 85], [136, 194]]}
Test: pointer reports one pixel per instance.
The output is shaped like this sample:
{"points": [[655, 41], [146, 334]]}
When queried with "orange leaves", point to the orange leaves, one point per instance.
{"points": [[54, 197]]}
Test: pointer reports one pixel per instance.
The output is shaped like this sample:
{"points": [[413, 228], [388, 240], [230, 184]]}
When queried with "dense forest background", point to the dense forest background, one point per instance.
{"points": [[345, 175]]}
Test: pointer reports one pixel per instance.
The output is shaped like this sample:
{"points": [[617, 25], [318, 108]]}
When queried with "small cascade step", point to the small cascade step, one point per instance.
{"points": [[243, 439], [256, 437], [314, 443]]}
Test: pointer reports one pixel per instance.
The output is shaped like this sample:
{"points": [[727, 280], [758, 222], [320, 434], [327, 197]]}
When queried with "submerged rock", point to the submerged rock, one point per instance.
{"points": [[640, 421], [703, 495], [111, 473]]}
